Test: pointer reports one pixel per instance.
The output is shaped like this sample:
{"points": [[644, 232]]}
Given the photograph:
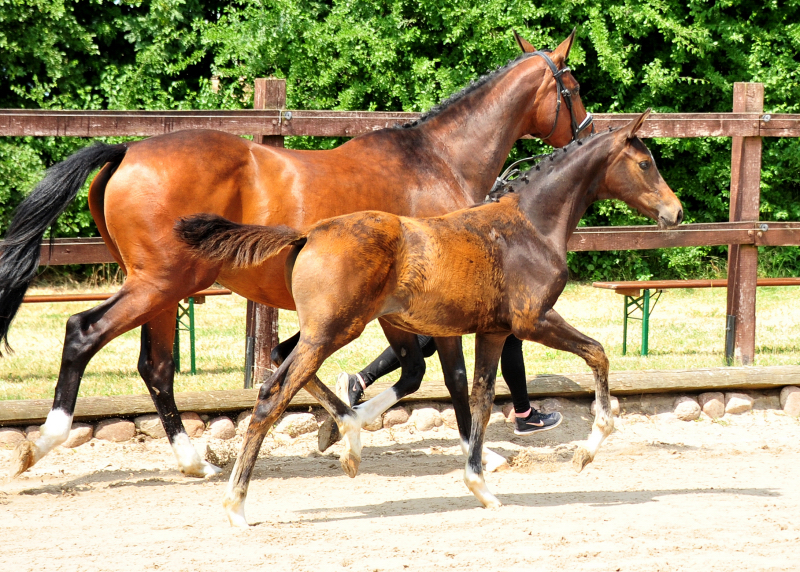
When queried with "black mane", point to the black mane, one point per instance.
{"points": [[473, 85]]}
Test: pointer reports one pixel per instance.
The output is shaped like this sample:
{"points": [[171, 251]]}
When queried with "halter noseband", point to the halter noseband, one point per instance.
{"points": [[563, 91]]}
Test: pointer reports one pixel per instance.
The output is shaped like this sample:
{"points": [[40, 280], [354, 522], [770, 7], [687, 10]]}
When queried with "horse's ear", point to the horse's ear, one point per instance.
{"points": [[565, 46], [523, 44], [635, 125]]}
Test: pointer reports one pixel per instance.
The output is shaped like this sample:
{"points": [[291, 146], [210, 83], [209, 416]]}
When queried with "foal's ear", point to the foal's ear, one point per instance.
{"points": [[635, 125], [565, 46], [523, 44]]}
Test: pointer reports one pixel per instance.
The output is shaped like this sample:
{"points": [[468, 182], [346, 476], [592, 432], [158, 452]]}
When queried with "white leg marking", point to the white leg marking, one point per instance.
{"points": [[492, 460], [350, 458], [600, 430], [234, 503], [54, 432], [369, 411], [189, 461], [477, 485]]}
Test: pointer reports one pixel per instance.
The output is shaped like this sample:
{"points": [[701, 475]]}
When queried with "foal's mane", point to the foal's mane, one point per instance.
{"points": [[543, 167], [471, 87]]}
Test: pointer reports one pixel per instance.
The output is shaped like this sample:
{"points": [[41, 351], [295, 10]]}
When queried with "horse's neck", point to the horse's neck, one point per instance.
{"points": [[559, 198], [475, 134]]}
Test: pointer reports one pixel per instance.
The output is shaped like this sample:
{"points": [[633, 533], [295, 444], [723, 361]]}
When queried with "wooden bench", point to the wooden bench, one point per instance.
{"points": [[638, 297], [184, 320]]}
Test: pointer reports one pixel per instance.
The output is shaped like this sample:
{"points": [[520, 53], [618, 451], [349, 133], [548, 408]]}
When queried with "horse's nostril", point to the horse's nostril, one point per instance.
{"points": [[679, 219]]}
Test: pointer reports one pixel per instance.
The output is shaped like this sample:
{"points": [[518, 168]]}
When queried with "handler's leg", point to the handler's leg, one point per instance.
{"points": [[454, 370], [554, 332], [487, 354]]}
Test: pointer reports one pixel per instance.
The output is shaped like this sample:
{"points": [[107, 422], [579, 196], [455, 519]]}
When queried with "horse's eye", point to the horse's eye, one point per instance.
{"points": [[644, 165]]}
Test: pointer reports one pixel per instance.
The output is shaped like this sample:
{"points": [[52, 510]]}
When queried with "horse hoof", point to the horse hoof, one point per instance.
{"points": [[201, 471], [327, 435], [492, 503], [581, 459], [497, 465], [22, 459], [236, 515], [350, 464]]}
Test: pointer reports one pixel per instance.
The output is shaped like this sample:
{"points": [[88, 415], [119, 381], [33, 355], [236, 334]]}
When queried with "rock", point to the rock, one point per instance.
{"points": [[426, 418], [193, 424], [790, 400], [242, 421], [552, 404], [150, 425], [712, 403], [32, 432], [738, 403], [79, 434], [686, 408], [296, 424], [376, 425], [448, 415], [221, 428], [11, 437], [116, 430], [395, 416], [221, 453], [614, 406]]}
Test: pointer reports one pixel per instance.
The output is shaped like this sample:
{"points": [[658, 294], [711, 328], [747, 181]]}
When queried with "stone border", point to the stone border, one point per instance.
{"points": [[423, 416]]}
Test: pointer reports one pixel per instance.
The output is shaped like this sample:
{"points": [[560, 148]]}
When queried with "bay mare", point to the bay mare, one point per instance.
{"points": [[492, 270], [446, 161]]}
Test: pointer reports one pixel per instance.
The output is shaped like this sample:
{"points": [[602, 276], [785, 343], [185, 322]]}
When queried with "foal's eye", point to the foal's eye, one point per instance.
{"points": [[644, 165]]}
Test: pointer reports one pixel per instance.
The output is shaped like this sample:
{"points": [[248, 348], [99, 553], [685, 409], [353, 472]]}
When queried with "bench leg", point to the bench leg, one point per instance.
{"points": [[645, 322], [626, 304], [188, 313]]}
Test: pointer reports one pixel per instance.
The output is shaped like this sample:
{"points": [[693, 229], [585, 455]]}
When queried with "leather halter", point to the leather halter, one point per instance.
{"points": [[563, 91]]}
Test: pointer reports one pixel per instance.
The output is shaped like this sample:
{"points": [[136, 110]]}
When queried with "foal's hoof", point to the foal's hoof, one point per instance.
{"points": [[350, 464], [581, 459], [328, 434], [22, 459]]}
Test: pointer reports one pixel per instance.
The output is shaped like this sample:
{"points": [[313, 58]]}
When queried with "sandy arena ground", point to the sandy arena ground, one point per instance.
{"points": [[663, 495]]}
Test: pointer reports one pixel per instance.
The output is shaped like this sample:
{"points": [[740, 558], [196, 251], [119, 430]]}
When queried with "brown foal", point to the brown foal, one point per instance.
{"points": [[491, 270], [446, 161]]}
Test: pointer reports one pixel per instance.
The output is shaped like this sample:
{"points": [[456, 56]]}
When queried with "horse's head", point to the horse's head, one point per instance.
{"points": [[632, 177], [557, 115]]}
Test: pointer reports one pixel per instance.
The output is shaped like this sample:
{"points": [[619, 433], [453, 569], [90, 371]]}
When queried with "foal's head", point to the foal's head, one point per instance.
{"points": [[557, 115], [632, 177]]}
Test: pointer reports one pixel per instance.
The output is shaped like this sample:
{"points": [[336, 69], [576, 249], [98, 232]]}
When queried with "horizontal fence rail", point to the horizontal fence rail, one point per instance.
{"points": [[589, 238], [286, 123]]}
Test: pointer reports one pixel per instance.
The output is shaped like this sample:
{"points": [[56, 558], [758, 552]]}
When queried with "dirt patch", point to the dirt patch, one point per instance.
{"points": [[662, 495]]}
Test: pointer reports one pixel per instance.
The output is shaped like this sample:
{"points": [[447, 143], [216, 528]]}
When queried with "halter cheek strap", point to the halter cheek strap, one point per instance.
{"points": [[563, 91]]}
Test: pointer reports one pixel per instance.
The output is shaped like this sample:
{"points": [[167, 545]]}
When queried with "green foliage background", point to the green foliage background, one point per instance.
{"points": [[671, 55]]}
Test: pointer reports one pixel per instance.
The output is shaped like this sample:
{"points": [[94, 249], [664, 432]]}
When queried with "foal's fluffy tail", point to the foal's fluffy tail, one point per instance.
{"points": [[239, 245], [19, 251]]}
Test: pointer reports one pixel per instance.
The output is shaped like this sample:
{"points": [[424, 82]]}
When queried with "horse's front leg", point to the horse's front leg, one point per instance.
{"points": [[556, 333], [488, 348], [454, 371]]}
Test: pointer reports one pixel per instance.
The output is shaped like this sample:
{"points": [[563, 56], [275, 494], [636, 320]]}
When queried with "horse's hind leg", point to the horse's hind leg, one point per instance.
{"points": [[87, 332], [157, 369], [273, 397], [487, 355], [454, 370], [556, 333]]}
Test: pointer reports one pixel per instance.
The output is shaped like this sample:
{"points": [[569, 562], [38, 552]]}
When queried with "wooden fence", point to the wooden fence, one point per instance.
{"points": [[269, 123]]}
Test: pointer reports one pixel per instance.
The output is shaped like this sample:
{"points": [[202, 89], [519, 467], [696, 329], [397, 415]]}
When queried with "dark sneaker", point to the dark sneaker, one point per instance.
{"points": [[350, 388], [536, 422]]}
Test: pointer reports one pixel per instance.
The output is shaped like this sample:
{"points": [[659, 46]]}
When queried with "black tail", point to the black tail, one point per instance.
{"points": [[19, 251]]}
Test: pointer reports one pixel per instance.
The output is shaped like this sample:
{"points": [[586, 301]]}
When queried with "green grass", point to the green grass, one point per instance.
{"points": [[687, 331]]}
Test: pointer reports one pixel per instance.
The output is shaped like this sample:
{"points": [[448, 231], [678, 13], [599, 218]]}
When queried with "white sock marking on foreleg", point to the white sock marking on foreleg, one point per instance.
{"points": [[234, 503], [601, 429], [189, 461], [54, 432], [369, 411]]}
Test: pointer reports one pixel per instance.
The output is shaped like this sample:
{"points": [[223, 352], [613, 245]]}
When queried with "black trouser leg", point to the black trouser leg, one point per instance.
{"points": [[387, 362], [513, 367]]}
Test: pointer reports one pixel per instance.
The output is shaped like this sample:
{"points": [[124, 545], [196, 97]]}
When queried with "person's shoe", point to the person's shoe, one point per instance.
{"points": [[350, 388], [536, 422]]}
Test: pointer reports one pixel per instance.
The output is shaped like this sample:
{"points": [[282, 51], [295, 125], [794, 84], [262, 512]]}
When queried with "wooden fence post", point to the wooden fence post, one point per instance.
{"points": [[740, 338], [262, 321]]}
